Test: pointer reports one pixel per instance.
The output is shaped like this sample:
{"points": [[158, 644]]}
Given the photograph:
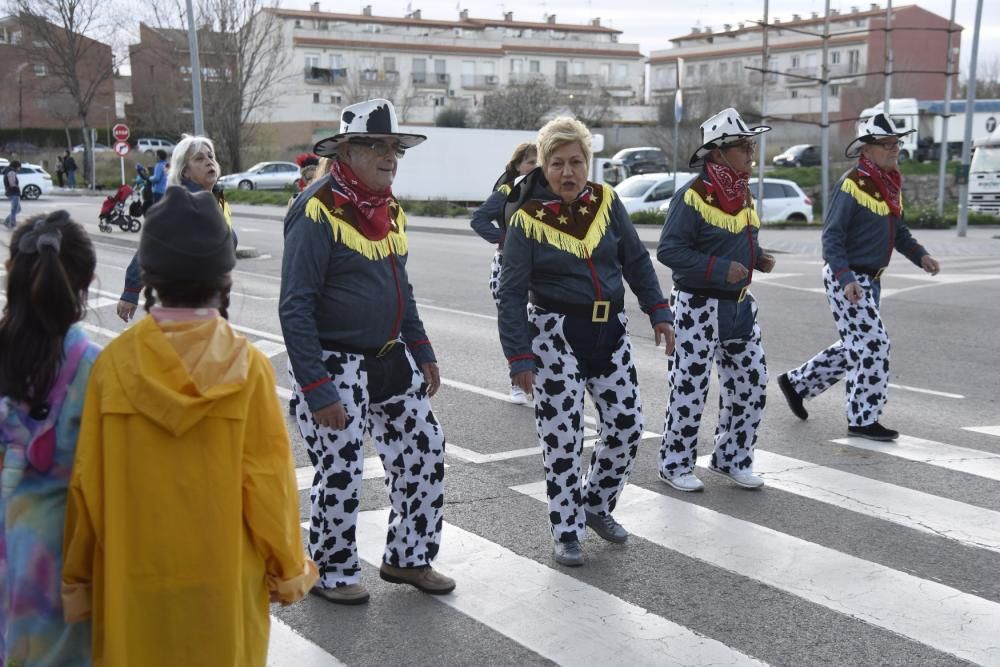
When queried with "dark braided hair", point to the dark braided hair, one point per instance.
{"points": [[188, 294], [46, 293]]}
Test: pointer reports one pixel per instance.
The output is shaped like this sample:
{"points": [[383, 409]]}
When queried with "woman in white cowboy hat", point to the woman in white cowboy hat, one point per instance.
{"points": [[863, 225], [359, 359], [709, 239]]}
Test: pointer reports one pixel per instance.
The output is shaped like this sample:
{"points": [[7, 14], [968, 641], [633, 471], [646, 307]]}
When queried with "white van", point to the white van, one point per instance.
{"points": [[152, 144]]}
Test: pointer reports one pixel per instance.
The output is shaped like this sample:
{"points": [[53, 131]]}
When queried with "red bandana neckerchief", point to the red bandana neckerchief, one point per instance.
{"points": [[373, 206], [889, 183], [729, 185]]}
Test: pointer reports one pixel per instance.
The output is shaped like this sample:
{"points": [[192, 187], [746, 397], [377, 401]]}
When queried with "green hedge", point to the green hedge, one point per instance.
{"points": [[275, 197], [648, 218], [926, 217]]}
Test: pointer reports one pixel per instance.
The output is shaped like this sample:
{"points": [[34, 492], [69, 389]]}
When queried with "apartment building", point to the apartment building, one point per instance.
{"points": [[425, 65], [713, 58]]}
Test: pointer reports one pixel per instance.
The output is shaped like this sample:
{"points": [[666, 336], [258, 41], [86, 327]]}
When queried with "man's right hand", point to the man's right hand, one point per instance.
{"points": [[126, 309], [525, 380], [853, 291], [736, 273], [332, 416]]}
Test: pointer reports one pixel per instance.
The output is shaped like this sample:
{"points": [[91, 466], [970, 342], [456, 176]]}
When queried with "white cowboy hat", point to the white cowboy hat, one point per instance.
{"points": [[725, 127], [373, 118], [871, 130]]}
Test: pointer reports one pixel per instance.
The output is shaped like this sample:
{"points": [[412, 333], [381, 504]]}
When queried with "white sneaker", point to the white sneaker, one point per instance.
{"points": [[517, 395], [685, 482], [745, 478]]}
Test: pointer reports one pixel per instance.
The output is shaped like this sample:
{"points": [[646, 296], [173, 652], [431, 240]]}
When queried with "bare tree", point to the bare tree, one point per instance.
{"points": [[518, 106], [987, 80], [593, 107], [373, 84], [55, 33]]}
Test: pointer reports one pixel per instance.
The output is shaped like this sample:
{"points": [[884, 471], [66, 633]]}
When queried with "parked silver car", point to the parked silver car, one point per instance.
{"points": [[263, 176]]}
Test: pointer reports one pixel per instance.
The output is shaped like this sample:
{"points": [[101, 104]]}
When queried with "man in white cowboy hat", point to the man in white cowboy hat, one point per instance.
{"points": [[863, 225], [359, 359], [709, 239]]}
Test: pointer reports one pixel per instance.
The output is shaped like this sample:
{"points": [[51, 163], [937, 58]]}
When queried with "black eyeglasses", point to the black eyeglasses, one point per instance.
{"points": [[889, 145], [745, 146], [381, 148]]}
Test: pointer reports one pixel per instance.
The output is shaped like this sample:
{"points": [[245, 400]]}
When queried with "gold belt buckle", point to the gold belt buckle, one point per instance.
{"points": [[743, 294], [878, 274], [386, 348], [601, 311]]}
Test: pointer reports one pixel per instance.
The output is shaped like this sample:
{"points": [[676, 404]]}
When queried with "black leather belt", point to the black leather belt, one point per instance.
{"points": [[709, 293], [595, 311], [337, 346], [870, 271]]}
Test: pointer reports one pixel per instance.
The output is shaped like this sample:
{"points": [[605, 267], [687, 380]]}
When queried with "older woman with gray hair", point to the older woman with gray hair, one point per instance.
{"points": [[193, 167], [572, 243]]}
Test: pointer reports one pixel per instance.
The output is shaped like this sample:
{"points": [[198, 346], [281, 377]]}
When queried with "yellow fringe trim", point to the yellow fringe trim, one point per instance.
{"points": [[394, 243], [504, 188], [582, 248], [874, 205], [719, 218]]}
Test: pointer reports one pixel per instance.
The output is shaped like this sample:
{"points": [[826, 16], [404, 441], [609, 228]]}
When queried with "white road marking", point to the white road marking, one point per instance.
{"points": [[988, 430], [933, 614], [372, 470], [973, 526], [288, 648], [551, 613], [423, 304], [962, 459], [932, 392], [269, 347]]}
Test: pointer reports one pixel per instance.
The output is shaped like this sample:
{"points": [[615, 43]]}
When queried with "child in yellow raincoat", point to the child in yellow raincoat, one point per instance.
{"points": [[182, 520]]}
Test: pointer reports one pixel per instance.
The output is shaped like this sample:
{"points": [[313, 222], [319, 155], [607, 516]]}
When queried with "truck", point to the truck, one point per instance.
{"points": [[462, 164], [925, 116], [984, 175]]}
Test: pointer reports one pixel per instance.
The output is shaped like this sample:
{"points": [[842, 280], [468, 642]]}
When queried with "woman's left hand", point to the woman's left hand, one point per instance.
{"points": [[666, 331], [432, 376], [930, 265], [765, 263]]}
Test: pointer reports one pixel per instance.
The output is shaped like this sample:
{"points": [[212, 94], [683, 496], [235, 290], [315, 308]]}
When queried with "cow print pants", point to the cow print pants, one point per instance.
{"points": [[495, 267], [559, 400], [861, 354], [734, 345], [410, 444]]}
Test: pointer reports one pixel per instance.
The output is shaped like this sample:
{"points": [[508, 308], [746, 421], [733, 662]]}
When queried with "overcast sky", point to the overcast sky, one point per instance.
{"points": [[651, 23]]}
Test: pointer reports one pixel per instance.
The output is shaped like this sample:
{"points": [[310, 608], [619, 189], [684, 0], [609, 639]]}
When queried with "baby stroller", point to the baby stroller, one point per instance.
{"points": [[114, 212]]}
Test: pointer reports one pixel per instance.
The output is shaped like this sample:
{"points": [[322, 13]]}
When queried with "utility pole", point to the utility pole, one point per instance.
{"points": [[970, 101], [824, 118], [762, 138], [20, 107], [199, 122], [943, 157], [888, 59], [678, 112]]}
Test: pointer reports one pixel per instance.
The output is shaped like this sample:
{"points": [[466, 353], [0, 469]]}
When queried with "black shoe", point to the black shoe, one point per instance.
{"points": [[792, 397], [568, 553], [873, 431], [605, 526]]}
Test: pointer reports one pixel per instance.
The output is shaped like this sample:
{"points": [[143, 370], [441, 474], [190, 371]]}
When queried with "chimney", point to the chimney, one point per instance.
{"points": [[855, 9], [367, 11], [815, 15], [740, 25], [874, 7], [696, 30], [834, 12], [463, 15], [508, 16], [796, 17], [596, 22], [415, 14], [551, 18], [727, 27], [708, 30], [777, 21], [314, 6]]}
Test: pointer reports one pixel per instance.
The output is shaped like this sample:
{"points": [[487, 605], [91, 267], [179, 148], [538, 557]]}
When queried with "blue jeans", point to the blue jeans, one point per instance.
{"points": [[71, 178], [15, 208]]}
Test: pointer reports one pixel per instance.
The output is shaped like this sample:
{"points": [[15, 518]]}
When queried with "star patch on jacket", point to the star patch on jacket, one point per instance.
{"points": [[701, 198], [863, 189], [576, 227], [329, 206]]}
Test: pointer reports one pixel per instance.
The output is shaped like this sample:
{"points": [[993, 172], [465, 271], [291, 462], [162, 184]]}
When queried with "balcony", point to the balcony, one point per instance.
{"points": [[480, 81], [521, 78], [614, 83], [336, 76], [430, 79], [574, 81], [756, 78], [374, 77]]}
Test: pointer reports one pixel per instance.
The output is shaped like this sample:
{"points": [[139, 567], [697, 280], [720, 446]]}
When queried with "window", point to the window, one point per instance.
{"points": [[834, 90], [853, 61], [315, 98], [723, 70], [298, 23], [440, 66], [772, 190], [794, 94], [664, 190], [335, 99], [367, 62], [621, 72], [336, 61], [790, 190], [562, 68], [606, 71], [835, 57], [577, 67], [703, 71], [419, 65], [322, 25], [795, 62], [689, 71], [41, 69], [811, 60], [534, 66], [312, 60], [389, 63]]}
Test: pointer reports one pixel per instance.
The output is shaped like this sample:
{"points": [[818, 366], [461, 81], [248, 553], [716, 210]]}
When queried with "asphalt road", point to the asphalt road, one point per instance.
{"points": [[852, 554]]}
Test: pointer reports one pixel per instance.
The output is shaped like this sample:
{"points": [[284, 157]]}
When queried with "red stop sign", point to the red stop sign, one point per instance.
{"points": [[120, 132]]}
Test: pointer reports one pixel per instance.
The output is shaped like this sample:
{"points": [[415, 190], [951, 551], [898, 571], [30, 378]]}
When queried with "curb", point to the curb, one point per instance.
{"points": [[242, 252]]}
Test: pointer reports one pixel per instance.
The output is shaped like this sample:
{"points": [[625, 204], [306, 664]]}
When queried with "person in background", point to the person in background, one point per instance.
{"points": [[160, 175], [183, 517], [572, 244], [196, 170], [60, 171], [42, 390], [488, 222], [863, 225], [69, 166], [12, 190], [709, 240]]}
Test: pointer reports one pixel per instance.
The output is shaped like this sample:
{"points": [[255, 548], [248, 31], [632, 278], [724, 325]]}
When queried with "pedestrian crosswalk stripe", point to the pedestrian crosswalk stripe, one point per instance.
{"points": [[988, 430], [968, 524], [962, 459], [269, 347], [551, 613], [933, 614], [919, 390], [288, 648]]}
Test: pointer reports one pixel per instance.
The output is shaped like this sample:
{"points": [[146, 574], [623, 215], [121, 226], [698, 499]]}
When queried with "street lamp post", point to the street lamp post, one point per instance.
{"points": [[20, 107]]}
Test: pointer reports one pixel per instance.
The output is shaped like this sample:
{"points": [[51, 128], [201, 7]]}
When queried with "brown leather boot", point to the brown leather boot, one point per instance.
{"points": [[423, 578], [350, 594]]}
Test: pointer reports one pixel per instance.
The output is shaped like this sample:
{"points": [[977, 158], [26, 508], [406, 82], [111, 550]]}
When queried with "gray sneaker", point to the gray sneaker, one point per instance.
{"points": [[606, 526], [568, 553]]}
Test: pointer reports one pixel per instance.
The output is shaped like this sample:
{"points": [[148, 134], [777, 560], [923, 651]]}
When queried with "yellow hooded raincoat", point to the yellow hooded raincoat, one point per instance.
{"points": [[183, 515]]}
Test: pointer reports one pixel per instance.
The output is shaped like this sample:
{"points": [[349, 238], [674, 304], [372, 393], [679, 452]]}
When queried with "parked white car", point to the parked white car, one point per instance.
{"points": [[649, 192], [263, 176], [34, 180], [149, 145], [784, 201], [98, 148]]}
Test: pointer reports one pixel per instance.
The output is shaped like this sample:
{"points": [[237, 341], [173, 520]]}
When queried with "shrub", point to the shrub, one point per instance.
{"points": [[452, 117], [647, 218], [275, 197]]}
